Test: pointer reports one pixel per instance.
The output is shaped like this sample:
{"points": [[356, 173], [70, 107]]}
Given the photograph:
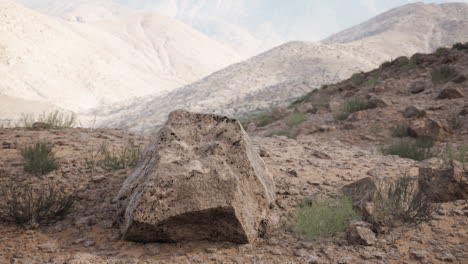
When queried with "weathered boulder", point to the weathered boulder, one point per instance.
{"points": [[417, 87], [360, 233], [444, 181], [450, 91], [200, 179], [413, 111], [428, 127]]}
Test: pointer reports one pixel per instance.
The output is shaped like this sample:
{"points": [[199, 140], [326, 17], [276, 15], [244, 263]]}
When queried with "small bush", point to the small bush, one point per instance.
{"points": [[265, 118], [444, 75], [400, 130], [459, 154], [350, 106], [441, 52], [460, 79], [286, 133], [373, 80], [324, 218], [112, 160], [417, 59], [296, 118], [404, 202], [417, 149], [52, 120], [358, 78], [24, 204], [460, 46], [39, 158], [386, 64]]}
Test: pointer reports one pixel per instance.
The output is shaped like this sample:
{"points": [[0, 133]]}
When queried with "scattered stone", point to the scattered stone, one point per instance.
{"points": [[321, 155], [376, 102], [49, 247], [436, 129], [8, 144], [89, 243], [293, 173], [444, 181], [419, 254], [413, 112], [360, 233], [98, 178], [450, 91], [200, 179], [313, 259], [447, 257], [417, 87]]}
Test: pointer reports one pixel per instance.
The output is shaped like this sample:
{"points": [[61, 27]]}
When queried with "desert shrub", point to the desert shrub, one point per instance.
{"points": [[400, 130], [403, 202], [114, 159], [52, 120], [39, 158], [286, 133], [460, 46], [417, 149], [325, 218], [25, 204], [386, 64], [265, 118], [296, 118], [350, 106], [373, 80], [402, 61], [318, 99], [417, 59], [459, 154], [460, 79], [358, 78], [444, 74], [441, 52]]}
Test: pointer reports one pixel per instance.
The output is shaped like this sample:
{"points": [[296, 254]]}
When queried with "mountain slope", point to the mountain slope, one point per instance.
{"points": [[289, 71], [79, 66]]}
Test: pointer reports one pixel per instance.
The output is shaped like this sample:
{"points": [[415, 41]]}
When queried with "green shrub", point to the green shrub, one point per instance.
{"points": [[52, 120], [114, 159], [459, 154], [403, 61], [265, 118], [373, 80], [444, 75], [400, 130], [386, 64], [296, 118], [350, 106], [24, 204], [38, 158], [286, 133], [441, 52], [324, 218], [460, 46], [417, 149], [358, 78], [403, 202], [416, 59]]}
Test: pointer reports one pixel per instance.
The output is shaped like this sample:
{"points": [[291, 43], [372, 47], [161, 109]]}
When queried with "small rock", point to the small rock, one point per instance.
{"points": [[277, 251], [301, 253], [152, 249], [48, 247], [413, 111], [419, 254], [417, 87], [98, 178], [89, 243], [450, 92], [321, 155], [313, 259], [447, 257], [8, 145], [293, 173], [359, 233], [376, 102]]}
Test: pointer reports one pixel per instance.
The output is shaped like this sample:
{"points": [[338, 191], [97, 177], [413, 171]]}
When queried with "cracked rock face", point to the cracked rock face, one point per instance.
{"points": [[200, 179]]}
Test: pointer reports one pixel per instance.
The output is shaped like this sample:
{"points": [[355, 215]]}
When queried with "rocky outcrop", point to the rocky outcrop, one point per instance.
{"points": [[200, 179], [450, 91], [444, 181], [428, 127]]}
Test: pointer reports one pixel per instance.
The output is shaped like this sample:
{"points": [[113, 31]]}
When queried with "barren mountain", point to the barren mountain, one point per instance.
{"points": [[80, 66], [290, 70]]}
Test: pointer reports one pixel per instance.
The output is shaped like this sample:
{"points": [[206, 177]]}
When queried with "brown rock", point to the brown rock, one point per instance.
{"points": [[417, 87], [413, 111], [376, 102], [451, 91], [436, 129], [444, 181], [360, 233], [200, 179]]}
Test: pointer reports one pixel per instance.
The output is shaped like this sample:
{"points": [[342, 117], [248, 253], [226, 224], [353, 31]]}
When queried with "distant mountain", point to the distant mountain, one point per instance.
{"points": [[295, 68], [79, 66]]}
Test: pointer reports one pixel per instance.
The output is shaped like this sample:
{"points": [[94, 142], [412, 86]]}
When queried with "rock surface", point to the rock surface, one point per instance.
{"points": [[360, 233], [429, 127], [200, 179], [444, 181]]}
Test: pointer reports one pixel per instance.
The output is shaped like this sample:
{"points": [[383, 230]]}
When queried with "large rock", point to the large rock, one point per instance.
{"points": [[417, 87], [413, 111], [450, 91], [444, 181], [360, 233], [200, 179], [428, 127]]}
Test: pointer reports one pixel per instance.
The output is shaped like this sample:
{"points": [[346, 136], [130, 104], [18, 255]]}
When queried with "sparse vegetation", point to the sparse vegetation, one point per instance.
{"points": [[417, 149], [400, 131], [441, 52], [358, 78], [318, 99], [296, 118], [114, 159], [460, 79], [320, 219], [39, 158], [444, 75], [265, 118], [373, 80], [52, 120], [350, 106], [25, 204], [459, 154], [460, 46], [403, 202]]}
